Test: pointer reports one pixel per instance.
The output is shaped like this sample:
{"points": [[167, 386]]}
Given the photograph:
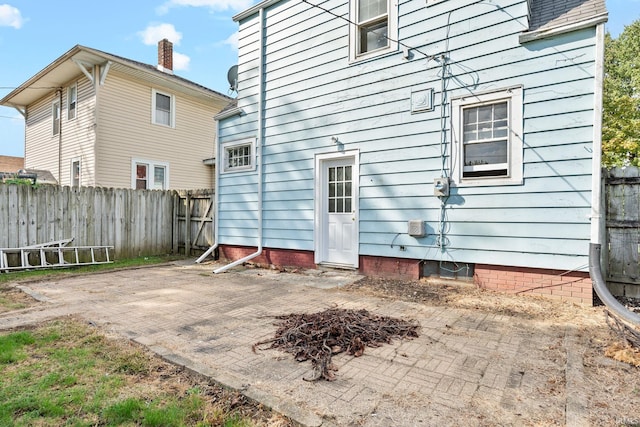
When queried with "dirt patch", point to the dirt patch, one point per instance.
{"points": [[610, 372], [14, 299]]}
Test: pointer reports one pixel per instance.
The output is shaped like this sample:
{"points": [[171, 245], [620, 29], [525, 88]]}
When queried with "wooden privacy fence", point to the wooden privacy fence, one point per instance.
{"points": [[622, 201], [193, 221], [134, 222]]}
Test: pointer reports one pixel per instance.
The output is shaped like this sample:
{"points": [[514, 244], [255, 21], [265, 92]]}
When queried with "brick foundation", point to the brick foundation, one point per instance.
{"points": [[277, 257], [396, 268], [573, 287]]}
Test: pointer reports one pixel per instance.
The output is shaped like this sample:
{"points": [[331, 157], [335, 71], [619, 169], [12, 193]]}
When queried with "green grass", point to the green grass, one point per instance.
{"points": [[16, 276], [65, 373]]}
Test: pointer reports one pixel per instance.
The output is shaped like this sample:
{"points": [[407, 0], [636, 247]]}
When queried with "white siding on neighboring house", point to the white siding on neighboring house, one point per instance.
{"points": [[314, 93], [126, 132], [43, 147]]}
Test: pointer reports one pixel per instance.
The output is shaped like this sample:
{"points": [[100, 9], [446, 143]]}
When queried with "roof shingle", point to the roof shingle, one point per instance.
{"points": [[547, 14]]}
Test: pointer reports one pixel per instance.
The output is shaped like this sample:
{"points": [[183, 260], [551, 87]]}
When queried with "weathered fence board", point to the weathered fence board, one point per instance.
{"points": [[193, 223], [622, 199], [134, 222]]}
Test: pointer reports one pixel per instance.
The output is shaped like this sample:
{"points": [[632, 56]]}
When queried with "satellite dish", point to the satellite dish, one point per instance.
{"points": [[232, 77]]}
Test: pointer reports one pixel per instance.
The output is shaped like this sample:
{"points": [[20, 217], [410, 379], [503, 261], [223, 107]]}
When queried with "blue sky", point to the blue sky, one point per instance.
{"points": [[35, 33]]}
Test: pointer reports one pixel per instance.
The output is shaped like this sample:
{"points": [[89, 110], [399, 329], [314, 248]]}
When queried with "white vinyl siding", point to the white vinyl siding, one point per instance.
{"points": [[126, 133]]}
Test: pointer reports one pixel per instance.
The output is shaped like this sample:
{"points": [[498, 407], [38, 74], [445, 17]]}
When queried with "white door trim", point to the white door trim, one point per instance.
{"points": [[319, 240]]}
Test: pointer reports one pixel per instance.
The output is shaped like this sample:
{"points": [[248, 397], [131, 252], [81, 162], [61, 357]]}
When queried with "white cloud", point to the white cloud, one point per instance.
{"points": [[232, 40], [154, 33], [216, 5], [10, 17], [180, 61]]}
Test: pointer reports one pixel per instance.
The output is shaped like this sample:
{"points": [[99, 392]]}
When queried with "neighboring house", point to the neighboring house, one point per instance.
{"points": [[103, 120], [422, 138], [11, 164]]}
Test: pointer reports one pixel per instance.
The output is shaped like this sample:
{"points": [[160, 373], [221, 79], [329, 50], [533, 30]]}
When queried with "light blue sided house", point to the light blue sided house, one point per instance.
{"points": [[410, 138]]}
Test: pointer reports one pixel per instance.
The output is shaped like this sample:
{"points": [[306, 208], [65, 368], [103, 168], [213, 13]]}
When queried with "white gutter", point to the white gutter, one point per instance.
{"points": [[259, 140], [215, 199], [595, 269]]}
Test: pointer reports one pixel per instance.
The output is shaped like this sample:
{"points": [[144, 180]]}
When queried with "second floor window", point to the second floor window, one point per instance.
{"points": [[163, 109], [72, 101], [375, 29], [55, 113]]}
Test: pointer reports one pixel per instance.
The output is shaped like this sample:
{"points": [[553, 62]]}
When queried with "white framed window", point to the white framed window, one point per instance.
{"points": [[162, 108], [76, 172], [55, 115], [72, 101], [487, 138], [149, 175], [239, 155], [375, 28]]}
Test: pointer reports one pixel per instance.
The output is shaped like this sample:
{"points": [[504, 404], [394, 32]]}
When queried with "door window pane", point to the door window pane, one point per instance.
{"points": [[340, 189]]}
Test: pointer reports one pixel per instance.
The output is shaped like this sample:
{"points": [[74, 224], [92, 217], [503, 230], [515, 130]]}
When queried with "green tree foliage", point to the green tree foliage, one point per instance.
{"points": [[621, 99]]}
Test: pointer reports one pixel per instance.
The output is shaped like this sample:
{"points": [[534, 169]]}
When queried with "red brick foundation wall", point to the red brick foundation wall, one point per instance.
{"points": [[574, 286], [277, 257], [396, 268]]}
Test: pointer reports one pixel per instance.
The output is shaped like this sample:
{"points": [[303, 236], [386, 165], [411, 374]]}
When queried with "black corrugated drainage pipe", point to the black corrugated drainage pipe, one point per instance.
{"points": [[600, 286]]}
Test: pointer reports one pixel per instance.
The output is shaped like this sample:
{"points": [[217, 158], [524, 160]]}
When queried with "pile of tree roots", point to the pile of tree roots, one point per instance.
{"points": [[318, 336]]}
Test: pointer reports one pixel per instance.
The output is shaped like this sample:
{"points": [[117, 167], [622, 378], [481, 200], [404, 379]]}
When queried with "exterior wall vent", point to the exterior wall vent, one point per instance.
{"points": [[416, 228]]}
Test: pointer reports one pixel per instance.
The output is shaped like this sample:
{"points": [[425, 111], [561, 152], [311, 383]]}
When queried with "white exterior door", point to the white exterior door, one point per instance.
{"points": [[336, 211]]}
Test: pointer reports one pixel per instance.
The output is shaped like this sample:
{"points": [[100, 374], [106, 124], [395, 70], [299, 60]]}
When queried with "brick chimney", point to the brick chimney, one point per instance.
{"points": [[165, 56]]}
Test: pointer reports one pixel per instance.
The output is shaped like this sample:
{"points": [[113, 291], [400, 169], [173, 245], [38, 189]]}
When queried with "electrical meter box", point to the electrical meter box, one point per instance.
{"points": [[441, 187]]}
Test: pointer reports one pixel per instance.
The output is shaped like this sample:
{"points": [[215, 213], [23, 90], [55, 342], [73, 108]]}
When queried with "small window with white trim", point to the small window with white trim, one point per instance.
{"points": [[72, 101], [76, 171], [238, 156], [487, 136], [55, 115], [374, 28], [162, 108]]}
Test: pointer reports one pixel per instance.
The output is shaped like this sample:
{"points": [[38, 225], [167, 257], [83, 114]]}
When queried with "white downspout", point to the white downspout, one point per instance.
{"points": [[216, 191], [259, 140], [595, 271]]}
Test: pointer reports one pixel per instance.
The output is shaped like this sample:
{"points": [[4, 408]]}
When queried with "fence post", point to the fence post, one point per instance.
{"points": [[187, 225], [176, 212]]}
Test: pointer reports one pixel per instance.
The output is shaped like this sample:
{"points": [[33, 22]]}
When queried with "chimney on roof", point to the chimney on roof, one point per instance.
{"points": [[165, 56]]}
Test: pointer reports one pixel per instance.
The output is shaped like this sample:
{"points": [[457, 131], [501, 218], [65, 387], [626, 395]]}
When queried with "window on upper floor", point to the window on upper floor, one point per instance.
{"points": [[238, 156], [375, 28], [163, 109], [487, 136], [149, 175], [55, 115], [72, 101]]}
